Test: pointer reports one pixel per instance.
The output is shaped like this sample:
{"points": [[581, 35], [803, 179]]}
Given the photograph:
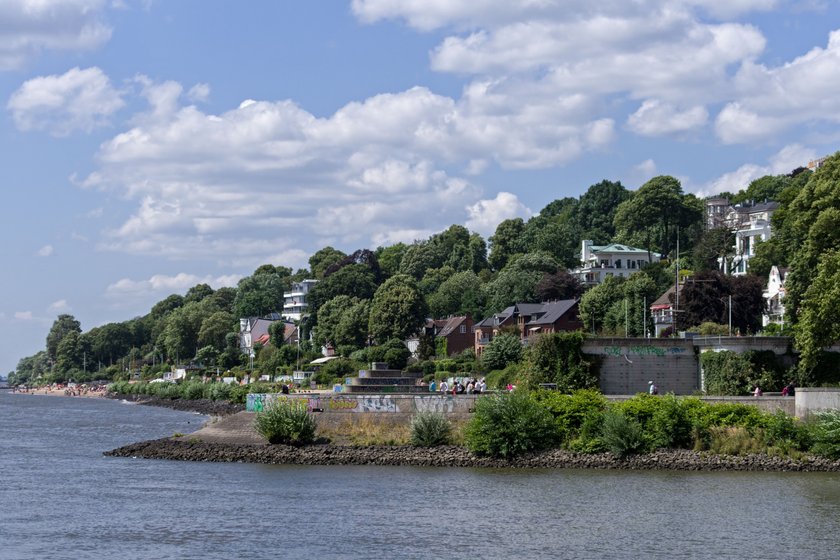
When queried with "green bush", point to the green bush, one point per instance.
{"points": [[621, 434], [501, 378], [509, 424], [430, 429], [826, 434], [670, 426], [218, 391], [193, 391], [239, 393], [570, 411], [785, 432], [287, 422]]}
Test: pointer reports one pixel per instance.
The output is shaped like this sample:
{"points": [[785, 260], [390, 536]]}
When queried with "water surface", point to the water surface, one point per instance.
{"points": [[60, 498]]}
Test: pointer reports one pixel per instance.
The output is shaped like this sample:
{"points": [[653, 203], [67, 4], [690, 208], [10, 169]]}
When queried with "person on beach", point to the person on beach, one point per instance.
{"points": [[444, 387], [757, 391], [432, 386]]}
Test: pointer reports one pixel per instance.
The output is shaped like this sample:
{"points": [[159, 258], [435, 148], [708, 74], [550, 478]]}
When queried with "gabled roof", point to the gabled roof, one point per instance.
{"points": [[553, 311], [664, 301], [451, 324]]}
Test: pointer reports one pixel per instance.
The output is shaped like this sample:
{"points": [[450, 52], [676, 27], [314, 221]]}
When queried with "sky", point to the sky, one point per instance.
{"points": [[147, 146]]}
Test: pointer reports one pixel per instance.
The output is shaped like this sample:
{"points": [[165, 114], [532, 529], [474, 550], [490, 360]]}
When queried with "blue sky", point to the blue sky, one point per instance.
{"points": [[151, 145]]}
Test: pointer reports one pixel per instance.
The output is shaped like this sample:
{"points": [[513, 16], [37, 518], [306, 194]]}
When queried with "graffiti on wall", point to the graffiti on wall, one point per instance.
{"points": [[642, 350], [376, 404], [436, 403]]}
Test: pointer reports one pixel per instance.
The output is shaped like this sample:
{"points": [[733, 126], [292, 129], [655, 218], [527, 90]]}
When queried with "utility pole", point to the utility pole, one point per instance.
{"points": [[730, 314]]}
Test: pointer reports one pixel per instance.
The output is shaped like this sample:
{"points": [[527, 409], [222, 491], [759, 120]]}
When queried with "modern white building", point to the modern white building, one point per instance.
{"points": [[599, 262], [294, 302]]}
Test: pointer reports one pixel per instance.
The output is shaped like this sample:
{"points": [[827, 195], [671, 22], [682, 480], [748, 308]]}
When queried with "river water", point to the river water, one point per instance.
{"points": [[60, 498]]}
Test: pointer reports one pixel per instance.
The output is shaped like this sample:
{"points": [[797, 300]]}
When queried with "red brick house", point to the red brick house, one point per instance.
{"points": [[529, 319]]}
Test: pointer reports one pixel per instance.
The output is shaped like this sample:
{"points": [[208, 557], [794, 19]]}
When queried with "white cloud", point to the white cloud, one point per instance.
{"points": [[655, 118], [485, 215], [58, 306], [45, 251], [24, 315], [31, 26], [164, 284], [76, 100], [199, 92], [770, 100], [646, 169], [784, 161]]}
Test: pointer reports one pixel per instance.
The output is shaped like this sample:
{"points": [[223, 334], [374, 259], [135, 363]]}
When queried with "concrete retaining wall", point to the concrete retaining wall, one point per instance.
{"points": [[627, 364], [815, 399], [393, 404]]}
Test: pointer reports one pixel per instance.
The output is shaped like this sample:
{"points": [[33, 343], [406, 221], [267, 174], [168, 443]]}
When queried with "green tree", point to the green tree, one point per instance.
{"points": [[597, 301], [506, 242], [764, 188], [259, 294], [340, 324], [651, 217], [459, 294], [559, 358], [595, 212], [69, 354], [819, 319], [503, 350], [61, 327], [323, 259], [198, 293], [517, 282], [215, 328], [398, 309], [390, 258]]}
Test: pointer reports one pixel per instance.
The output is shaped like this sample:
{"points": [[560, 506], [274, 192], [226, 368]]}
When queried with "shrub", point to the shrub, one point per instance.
{"points": [[670, 425], [509, 424], [734, 440], [621, 435], [502, 350], [570, 411], [501, 378], [429, 429], [826, 434], [287, 423], [785, 431], [193, 391], [218, 391]]}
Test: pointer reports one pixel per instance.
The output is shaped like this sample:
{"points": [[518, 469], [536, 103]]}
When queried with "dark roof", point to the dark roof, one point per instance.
{"points": [[665, 299], [553, 311]]}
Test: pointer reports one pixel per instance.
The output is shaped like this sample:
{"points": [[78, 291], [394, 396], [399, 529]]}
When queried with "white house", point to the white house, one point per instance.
{"points": [[775, 295], [601, 261], [294, 302], [750, 223]]}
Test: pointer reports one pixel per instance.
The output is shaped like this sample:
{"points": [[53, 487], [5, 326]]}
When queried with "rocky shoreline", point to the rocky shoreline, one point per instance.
{"points": [[201, 406], [187, 449]]}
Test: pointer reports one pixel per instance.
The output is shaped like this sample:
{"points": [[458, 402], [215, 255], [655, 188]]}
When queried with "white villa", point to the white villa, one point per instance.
{"points": [[775, 295], [601, 261], [749, 222], [294, 302]]}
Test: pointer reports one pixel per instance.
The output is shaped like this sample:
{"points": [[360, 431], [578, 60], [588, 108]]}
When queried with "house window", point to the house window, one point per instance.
{"points": [[463, 329]]}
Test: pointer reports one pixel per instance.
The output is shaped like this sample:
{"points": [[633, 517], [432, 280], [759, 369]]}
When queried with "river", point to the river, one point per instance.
{"points": [[60, 498]]}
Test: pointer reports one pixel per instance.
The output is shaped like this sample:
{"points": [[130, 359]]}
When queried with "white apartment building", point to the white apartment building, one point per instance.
{"points": [[294, 302]]}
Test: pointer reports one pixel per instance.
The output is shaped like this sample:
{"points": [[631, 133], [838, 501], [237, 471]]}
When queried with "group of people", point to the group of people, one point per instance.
{"points": [[468, 386]]}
